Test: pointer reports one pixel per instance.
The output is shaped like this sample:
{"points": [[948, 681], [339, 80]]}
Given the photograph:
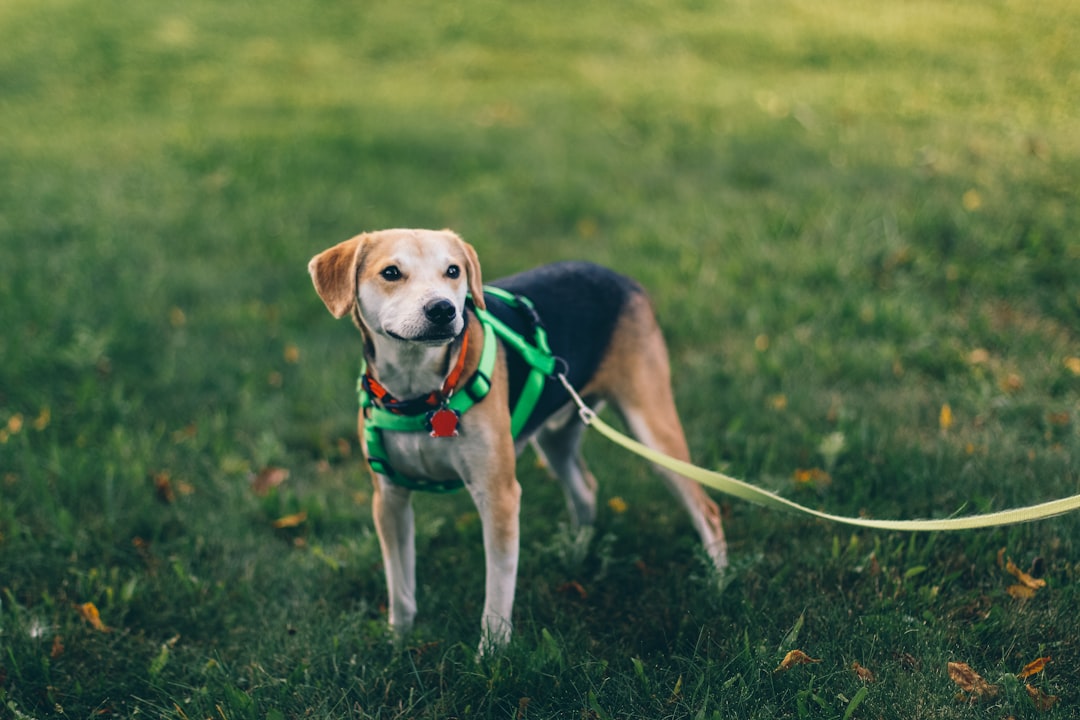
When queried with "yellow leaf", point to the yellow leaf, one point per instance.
{"points": [[945, 418], [778, 402], [289, 521], [793, 658], [1033, 668], [1072, 364], [1042, 701], [617, 505], [972, 200], [177, 318], [292, 354], [971, 681], [15, 424], [89, 613], [42, 420], [815, 476]]}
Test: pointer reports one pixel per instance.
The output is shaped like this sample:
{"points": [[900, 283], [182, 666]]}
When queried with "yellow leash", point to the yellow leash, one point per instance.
{"points": [[745, 491]]}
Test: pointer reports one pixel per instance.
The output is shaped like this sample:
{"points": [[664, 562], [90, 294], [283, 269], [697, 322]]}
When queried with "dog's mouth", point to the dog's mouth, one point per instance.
{"points": [[434, 338]]}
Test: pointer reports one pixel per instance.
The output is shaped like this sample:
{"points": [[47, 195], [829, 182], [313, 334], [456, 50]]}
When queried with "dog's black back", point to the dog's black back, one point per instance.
{"points": [[579, 304]]}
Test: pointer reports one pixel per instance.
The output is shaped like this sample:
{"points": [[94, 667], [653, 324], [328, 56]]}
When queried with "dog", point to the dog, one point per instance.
{"points": [[418, 300]]}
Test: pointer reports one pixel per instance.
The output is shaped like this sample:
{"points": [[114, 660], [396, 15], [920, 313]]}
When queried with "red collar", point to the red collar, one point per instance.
{"points": [[435, 399]]}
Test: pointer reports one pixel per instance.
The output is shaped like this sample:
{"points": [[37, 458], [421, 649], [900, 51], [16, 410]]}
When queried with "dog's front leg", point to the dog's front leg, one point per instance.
{"points": [[394, 524], [498, 500]]}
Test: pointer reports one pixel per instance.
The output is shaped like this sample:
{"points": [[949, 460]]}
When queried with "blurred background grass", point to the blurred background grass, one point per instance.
{"points": [[850, 215]]}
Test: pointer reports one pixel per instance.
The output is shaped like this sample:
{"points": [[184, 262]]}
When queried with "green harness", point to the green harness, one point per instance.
{"points": [[536, 354]]}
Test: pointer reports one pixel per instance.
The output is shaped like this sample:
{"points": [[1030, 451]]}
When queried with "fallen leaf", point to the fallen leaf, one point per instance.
{"points": [[815, 476], [1058, 419], [267, 479], [1023, 577], [42, 420], [1011, 383], [945, 417], [290, 521], [970, 681], [1073, 365], [1020, 592], [89, 613], [617, 505], [177, 318], [676, 692], [1042, 701], [793, 658], [862, 673], [1033, 668], [573, 586], [971, 200], [292, 354], [57, 647], [163, 488]]}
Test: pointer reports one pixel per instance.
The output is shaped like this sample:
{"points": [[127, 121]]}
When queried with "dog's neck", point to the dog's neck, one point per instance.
{"points": [[407, 369]]}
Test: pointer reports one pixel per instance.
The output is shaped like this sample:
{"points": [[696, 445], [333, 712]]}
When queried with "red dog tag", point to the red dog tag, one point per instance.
{"points": [[443, 423]]}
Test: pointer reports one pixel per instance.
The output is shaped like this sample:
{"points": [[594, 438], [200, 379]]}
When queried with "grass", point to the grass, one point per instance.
{"points": [[850, 215]]}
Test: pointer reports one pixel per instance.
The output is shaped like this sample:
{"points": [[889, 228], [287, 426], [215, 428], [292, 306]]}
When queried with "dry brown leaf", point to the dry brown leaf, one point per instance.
{"points": [[1042, 701], [1020, 592], [163, 488], [57, 647], [793, 658], [1034, 667], [970, 681], [267, 479], [863, 674], [89, 613], [573, 586], [290, 521], [1033, 583]]}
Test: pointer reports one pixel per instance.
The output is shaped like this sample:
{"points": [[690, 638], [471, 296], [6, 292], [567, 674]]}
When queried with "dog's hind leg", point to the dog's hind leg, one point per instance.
{"points": [[558, 443], [637, 379]]}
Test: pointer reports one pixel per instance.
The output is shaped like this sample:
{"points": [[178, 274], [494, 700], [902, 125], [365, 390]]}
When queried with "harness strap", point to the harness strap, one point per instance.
{"points": [[537, 355]]}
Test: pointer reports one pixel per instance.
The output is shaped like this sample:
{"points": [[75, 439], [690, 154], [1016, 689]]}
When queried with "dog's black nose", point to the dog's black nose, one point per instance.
{"points": [[440, 312]]}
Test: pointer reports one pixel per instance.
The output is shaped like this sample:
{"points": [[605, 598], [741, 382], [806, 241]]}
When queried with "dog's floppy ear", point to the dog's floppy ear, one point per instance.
{"points": [[334, 273], [472, 273]]}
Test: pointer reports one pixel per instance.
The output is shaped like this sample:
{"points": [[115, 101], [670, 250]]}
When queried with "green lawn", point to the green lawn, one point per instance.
{"points": [[859, 223]]}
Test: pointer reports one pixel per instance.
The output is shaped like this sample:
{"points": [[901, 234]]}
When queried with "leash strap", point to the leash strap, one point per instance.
{"points": [[758, 496]]}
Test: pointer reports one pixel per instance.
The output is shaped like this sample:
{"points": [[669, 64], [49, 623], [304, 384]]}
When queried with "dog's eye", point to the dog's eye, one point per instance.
{"points": [[391, 273], [453, 271]]}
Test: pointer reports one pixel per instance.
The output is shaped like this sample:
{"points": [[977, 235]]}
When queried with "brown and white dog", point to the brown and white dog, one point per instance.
{"points": [[406, 291]]}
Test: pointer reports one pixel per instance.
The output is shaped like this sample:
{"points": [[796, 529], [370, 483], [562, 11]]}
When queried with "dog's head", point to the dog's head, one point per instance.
{"points": [[409, 285]]}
